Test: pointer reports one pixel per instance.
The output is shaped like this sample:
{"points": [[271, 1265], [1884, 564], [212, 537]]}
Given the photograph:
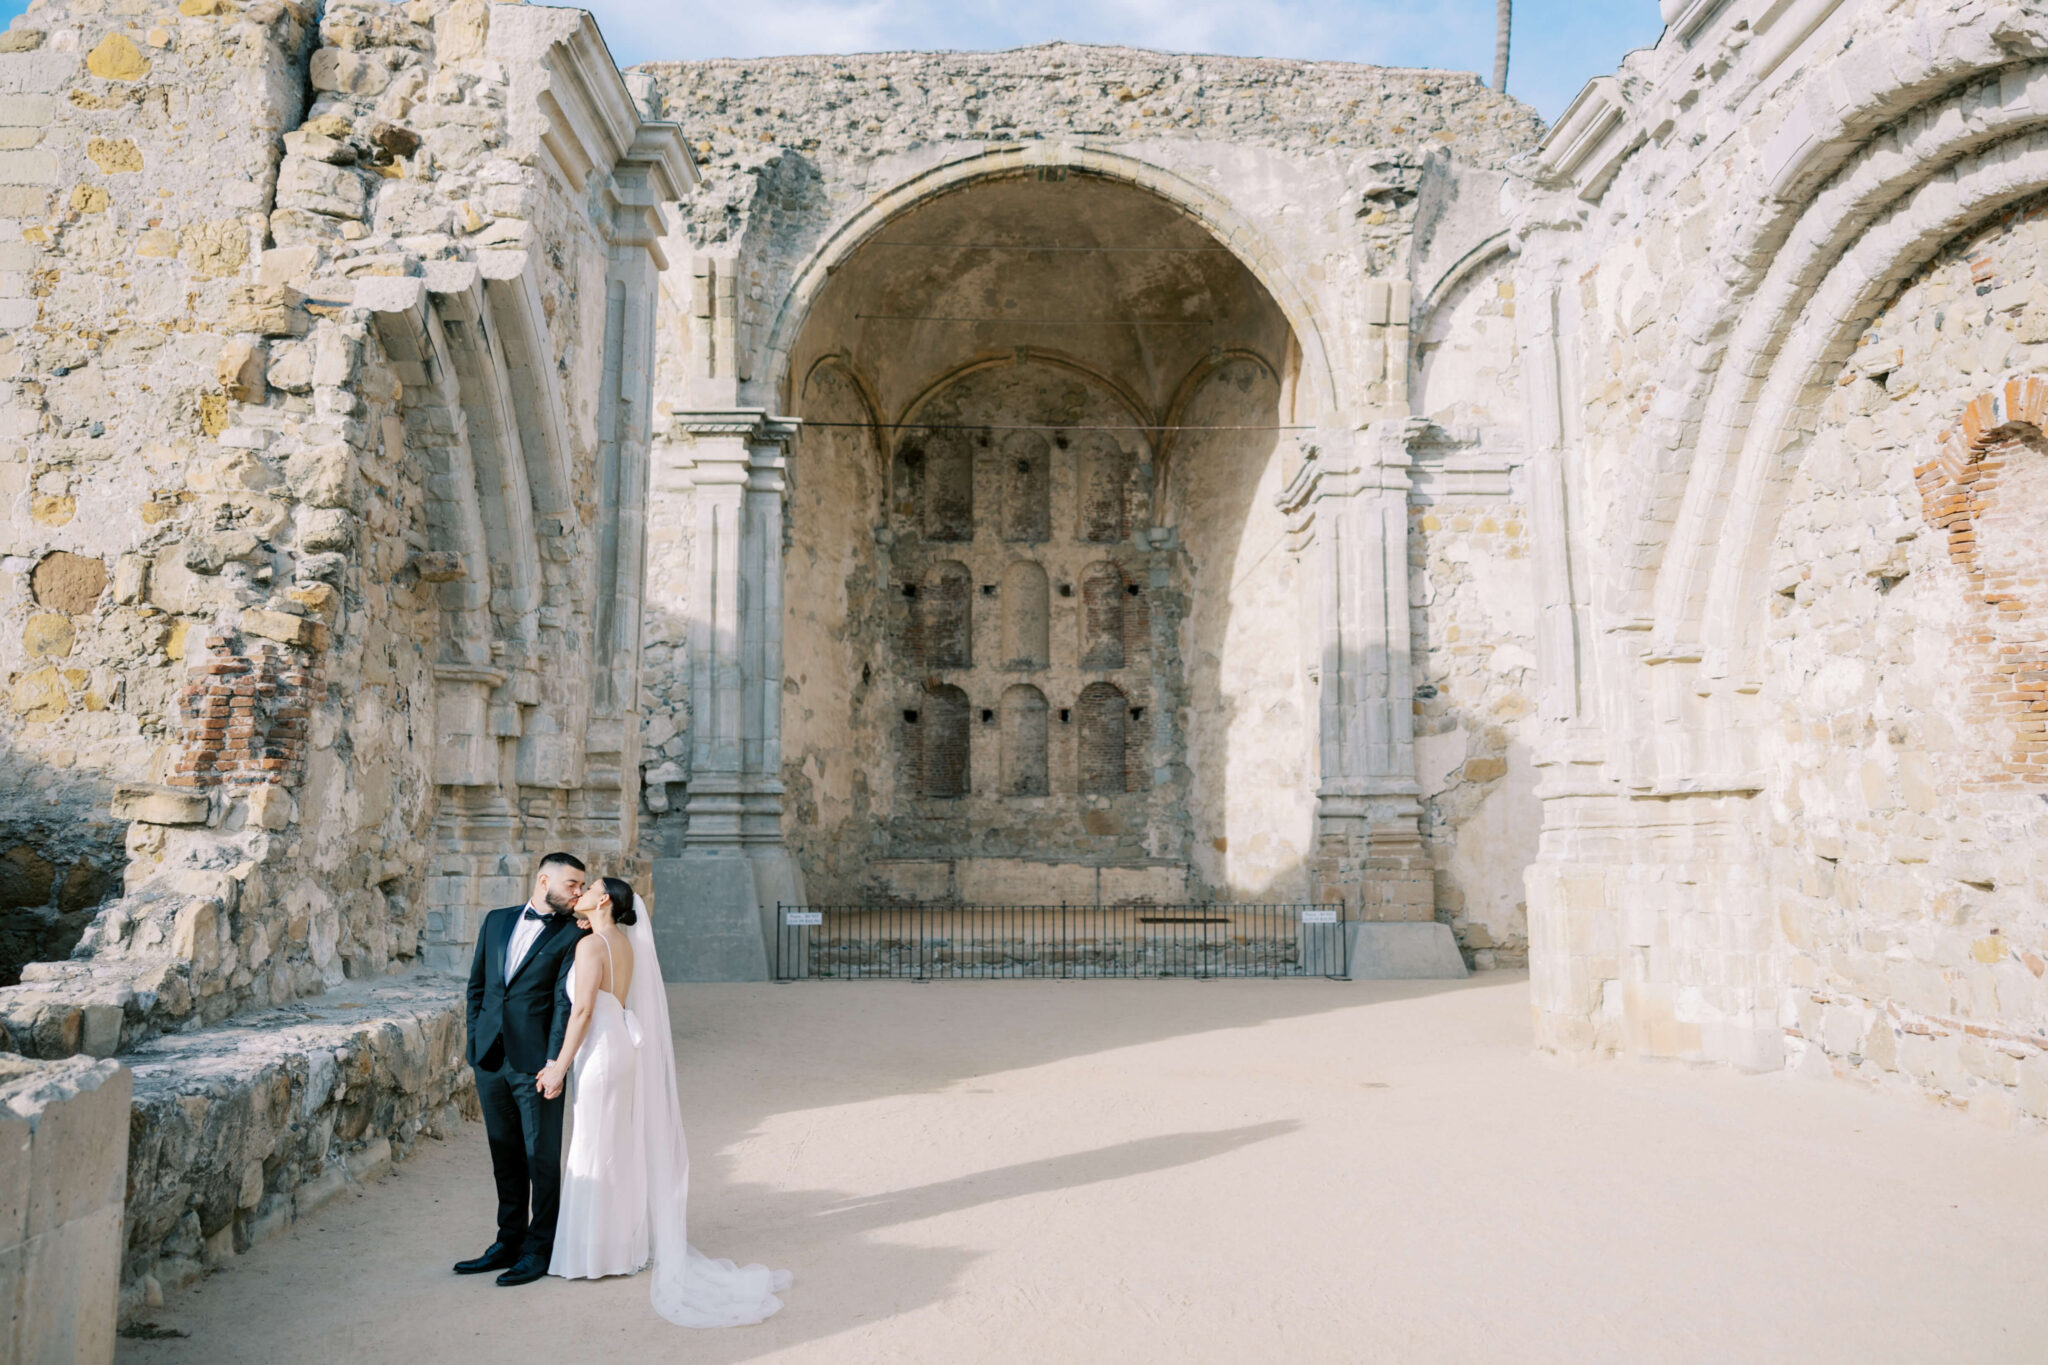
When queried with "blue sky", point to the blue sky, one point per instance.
{"points": [[1559, 44]]}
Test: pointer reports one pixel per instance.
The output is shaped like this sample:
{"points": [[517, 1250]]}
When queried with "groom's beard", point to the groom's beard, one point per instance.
{"points": [[560, 902]]}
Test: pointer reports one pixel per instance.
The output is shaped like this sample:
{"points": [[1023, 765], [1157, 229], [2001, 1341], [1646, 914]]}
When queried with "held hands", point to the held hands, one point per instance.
{"points": [[549, 1081]]}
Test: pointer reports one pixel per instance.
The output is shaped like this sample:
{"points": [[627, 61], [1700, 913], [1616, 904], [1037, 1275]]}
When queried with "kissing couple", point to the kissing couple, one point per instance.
{"points": [[566, 994]]}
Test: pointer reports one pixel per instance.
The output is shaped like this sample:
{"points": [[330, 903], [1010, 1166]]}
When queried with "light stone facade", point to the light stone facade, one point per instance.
{"points": [[1775, 284], [1071, 475]]}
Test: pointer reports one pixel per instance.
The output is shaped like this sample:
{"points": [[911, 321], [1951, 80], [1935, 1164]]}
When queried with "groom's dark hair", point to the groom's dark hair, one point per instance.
{"points": [[621, 897], [562, 860]]}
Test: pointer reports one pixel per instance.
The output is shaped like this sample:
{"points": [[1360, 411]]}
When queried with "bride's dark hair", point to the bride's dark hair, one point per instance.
{"points": [[620, 894]]}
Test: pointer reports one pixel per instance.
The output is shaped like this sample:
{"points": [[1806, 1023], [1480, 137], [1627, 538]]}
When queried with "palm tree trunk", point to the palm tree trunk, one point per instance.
{"points": [[1504, 17]]}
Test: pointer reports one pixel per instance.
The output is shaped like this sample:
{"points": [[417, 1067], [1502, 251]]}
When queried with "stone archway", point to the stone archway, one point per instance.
{"points": [[1059, 375]]}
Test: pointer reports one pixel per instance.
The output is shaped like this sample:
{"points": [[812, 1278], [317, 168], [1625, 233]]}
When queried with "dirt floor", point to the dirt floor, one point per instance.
{"points": [[1211, 1171]]}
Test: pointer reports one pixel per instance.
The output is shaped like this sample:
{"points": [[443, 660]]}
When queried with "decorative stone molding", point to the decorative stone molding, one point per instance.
{"points": [[1347, 509], [1590, 140], [752, 424]]}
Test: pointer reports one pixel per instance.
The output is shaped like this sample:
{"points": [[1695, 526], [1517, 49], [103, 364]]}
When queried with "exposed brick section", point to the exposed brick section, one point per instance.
{"points": [[948, 488], [1987, 490], [244, 711], [1027, 487], [1105, 469], [1137, 621], [947, 612], [1003, 609], [1102, 616], [1104, 718]]}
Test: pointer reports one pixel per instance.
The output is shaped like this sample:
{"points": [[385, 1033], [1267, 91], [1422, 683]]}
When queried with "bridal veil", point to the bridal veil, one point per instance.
{"points": [[690, 1289]]}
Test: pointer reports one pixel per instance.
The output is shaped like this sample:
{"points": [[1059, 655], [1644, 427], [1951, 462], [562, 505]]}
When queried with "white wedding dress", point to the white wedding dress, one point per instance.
{"points": [[626, 1177]]}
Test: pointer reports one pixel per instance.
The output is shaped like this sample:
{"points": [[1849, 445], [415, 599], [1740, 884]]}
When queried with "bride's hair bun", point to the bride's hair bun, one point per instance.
{"points": [[621, 896]]}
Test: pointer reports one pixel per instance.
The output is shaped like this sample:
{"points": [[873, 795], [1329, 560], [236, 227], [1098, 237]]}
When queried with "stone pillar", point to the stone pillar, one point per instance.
{"points": [[63, 1180], [1349, 501], [1348, 504], [1579, 872], [718, 898]]}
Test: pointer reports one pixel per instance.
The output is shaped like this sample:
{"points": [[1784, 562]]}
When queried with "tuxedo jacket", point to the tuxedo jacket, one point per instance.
{"points": [[529, 1013]]}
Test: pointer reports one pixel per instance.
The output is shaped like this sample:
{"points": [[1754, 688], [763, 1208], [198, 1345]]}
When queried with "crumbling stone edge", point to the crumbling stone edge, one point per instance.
{"points": [[239, 1131]]}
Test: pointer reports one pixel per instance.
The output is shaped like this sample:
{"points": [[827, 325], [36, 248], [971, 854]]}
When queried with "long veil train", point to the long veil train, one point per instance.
{"points": [[690, 1289]]}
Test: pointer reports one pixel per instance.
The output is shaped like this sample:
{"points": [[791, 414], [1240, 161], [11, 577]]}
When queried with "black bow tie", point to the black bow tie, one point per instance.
{"points": [[534, 914]]}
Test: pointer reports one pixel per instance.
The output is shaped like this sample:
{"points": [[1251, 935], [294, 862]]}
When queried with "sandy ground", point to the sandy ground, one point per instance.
{"points": [[1211, 1171]]}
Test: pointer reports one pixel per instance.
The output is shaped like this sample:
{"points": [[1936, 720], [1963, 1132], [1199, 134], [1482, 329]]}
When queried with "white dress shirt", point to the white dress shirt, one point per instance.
{"points": [[524, 932]]}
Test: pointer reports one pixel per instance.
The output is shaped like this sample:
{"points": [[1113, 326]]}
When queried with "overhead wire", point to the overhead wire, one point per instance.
{"points": [[1041, 426], [1025, 246], [1042, 322]]}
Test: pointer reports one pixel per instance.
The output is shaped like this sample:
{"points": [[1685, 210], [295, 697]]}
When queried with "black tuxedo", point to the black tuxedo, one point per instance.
{"points": [[516, 1028], [530, 1013]]}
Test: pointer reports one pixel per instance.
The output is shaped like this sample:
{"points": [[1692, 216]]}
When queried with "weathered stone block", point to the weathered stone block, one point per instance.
{"points": [[63, 1162], [48, 635], [315, 186], [240, 370], [39, 695], [273, 310], [28, 168], [115, 58], [159, 805], [114, 156], [272, 807], [326, 529], [67, 582], [348, 73], [283, 627], [324, 477]]}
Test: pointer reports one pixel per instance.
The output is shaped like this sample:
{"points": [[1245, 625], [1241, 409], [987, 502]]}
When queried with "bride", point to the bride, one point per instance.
{"points": [[626, 1178]]}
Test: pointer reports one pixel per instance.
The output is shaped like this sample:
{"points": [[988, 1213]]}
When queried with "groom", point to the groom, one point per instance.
{"points": [[518, 1010]]}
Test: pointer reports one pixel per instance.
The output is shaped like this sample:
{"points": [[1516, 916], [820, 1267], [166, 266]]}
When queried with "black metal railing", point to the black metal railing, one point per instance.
{"points": [[924, 942]]}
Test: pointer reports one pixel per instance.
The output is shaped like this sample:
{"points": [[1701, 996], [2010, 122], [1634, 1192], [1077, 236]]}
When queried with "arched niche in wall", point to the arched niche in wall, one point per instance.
{"points": [[948, 486], [945, 740], [906, 479], [1024, 742], [1102, 764], [1027, 487], [946, 616], [1102, 616], [1102, 473], [1027, 617]]}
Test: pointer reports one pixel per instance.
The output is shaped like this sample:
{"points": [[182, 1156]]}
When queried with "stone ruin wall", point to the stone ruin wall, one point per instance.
{"points": [[1905, 827], [790, 145], [1781, 269], [1371, 158], [1474, 616], [246, 569]]}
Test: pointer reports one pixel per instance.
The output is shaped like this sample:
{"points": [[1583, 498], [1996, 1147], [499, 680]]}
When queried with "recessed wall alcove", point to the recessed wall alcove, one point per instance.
{"points": [[1034, 492]]}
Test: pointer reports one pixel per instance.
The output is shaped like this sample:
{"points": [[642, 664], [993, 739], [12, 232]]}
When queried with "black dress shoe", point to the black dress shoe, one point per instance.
{"points": [[531, 1266], [497, 1257]]}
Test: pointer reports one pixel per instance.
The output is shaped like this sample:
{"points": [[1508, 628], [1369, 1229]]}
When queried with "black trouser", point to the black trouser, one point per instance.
{"points": [[525, 1130]]}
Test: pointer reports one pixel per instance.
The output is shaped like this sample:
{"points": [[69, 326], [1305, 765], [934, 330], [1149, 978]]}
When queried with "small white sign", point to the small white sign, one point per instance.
{"points": [[1319, 917], [802, 918]]}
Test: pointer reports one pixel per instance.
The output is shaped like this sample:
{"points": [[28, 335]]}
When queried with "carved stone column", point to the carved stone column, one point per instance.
{"points": [[1348, 503], [734, 868]]}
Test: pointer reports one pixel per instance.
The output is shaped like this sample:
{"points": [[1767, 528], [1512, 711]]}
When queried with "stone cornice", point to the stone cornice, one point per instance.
{"points": [[1590, 141], [1341, 464], [586, 119], [755, 424]]}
